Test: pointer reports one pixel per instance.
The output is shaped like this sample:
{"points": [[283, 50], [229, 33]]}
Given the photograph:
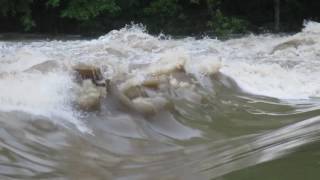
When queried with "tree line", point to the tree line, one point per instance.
{"points": [[177, 17]]}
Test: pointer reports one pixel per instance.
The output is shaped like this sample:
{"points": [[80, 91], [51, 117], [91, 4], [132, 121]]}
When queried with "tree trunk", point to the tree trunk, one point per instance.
{"points": [[276, 15]]}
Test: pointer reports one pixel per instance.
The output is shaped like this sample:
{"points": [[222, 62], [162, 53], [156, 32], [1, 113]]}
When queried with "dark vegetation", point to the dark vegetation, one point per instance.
{"points": [[177, 17]]}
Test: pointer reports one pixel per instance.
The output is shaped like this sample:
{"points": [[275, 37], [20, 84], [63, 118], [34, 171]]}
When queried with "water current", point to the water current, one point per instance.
{"points": [[177, 109]]}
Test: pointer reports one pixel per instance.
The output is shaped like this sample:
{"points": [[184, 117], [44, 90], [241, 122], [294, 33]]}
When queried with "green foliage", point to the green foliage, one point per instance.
{"points": [[163, 8], [214, 3], [20, 9], [27, 22], [75, 9], [224, 26], [81, 10], [192, 16], [87, 9], [7, 7], [53, 3]]}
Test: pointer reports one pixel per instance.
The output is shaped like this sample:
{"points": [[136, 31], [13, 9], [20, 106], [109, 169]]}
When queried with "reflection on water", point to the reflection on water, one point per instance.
{"points": [[255, 119]]}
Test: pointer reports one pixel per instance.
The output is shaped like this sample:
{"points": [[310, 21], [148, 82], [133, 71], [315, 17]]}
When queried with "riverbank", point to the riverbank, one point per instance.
{"points": [[177, 18]]}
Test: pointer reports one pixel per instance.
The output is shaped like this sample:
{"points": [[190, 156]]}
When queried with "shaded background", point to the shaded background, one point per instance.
{"points": [[176, 17]]}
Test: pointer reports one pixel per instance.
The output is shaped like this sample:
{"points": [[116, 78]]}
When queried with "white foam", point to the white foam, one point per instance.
{"points": [[169, 61], [29, 57], [274, 80], [288, 73], [204, 65], [311, 27], [47, 95]]}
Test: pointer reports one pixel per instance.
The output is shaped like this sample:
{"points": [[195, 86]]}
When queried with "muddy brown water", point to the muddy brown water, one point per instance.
{"points": [[257, 118]]}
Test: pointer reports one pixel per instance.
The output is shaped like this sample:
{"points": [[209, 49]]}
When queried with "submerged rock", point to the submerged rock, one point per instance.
{"points": [[47, 66], [133, 95], [295, 43], [152, 83], [146, 92], [90, 72]]}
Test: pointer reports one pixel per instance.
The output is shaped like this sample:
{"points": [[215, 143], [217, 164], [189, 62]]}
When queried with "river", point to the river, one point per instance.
{"points": [[238, 109]]}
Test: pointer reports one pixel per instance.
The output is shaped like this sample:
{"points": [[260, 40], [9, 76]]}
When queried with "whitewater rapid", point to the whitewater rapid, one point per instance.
{"points": [[232, 104], [289, 73]]}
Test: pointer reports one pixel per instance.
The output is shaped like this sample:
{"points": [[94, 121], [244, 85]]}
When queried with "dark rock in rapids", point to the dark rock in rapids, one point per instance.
{"points": [[90, 72], [47, 66], [294, 43], [91, 87]]}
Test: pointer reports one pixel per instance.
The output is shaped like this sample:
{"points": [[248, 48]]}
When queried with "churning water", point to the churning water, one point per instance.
{"points": [[246, 108]]}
